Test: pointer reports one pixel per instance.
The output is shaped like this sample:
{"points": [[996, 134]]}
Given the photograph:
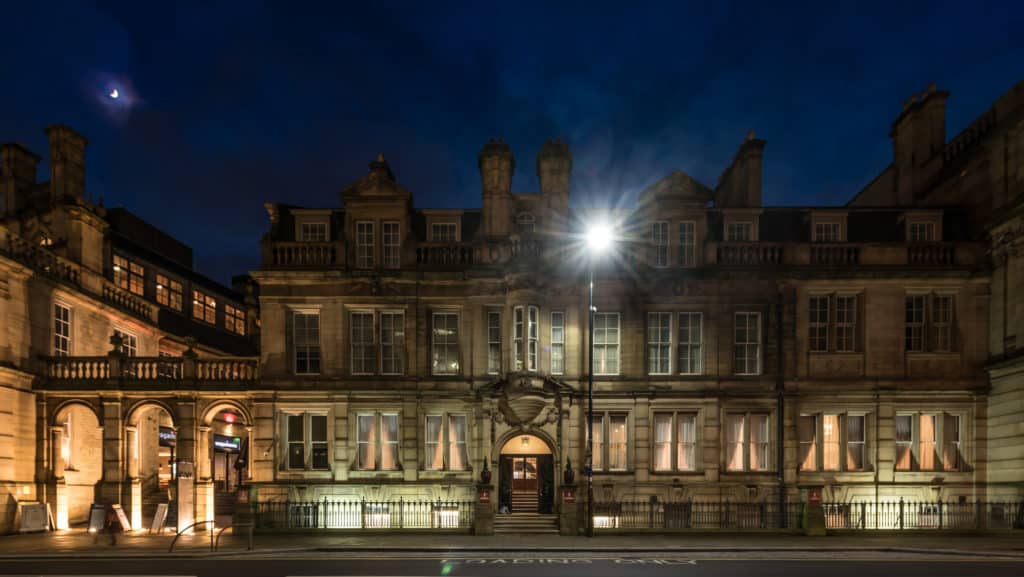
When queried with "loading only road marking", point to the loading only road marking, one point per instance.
{"points": [[566, 561]]}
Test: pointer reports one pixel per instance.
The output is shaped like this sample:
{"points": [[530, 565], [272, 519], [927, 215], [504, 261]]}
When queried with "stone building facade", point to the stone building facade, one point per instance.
{"points": [[106, 330], [742, 352]]}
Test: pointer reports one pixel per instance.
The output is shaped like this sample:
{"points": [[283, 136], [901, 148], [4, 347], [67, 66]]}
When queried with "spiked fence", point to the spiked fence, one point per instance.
{"points": [[395, 514]]}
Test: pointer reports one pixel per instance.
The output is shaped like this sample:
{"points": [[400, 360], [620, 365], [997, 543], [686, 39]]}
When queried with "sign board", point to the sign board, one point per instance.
{"points": [[485, 495], [122, 518], [34, 517], [568, 496], [159, 518], [227, 443], [97, 516], [242, 496], [814, 495], [168, 437]]}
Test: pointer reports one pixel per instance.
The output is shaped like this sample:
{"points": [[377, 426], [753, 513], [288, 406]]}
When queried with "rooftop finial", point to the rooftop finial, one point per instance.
{"points": [[380, 157]]}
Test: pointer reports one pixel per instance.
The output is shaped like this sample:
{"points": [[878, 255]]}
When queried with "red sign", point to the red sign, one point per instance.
{"points": [[568, 496], [243, 496], [485, 496], [814, 495]]}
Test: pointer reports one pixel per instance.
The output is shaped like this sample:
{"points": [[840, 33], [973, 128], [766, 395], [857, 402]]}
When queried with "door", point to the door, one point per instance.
{"points": [[524, 474], [505, 484]]}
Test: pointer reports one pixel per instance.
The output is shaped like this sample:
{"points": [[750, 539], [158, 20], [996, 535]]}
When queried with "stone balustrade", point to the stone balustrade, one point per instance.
{"points": [[116, 367], [749, 253], [834, 254], [932, 253], [297, 254], [41, 259], [77, 368], [227, 369], [446, 254]]}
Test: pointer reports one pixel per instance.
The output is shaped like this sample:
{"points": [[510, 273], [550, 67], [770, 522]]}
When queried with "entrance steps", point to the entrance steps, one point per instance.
{"points": [[524, 502], [532, 523]]}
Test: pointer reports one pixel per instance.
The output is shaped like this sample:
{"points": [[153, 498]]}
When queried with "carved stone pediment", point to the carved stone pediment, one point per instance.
{"points": [[526, 399]]}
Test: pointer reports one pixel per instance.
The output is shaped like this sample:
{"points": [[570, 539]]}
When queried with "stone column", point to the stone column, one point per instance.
{"points": [[205, 492], [110, 485], [58, 492], [185, 495], [133, 482], [483, 510]]}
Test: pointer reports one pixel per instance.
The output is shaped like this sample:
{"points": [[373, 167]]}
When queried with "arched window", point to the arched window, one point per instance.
{"points": [[526, 222]]}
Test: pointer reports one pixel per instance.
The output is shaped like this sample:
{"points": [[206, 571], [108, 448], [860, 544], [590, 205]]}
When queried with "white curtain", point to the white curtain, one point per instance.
{"points": [[734, 434], [808, 443], [457, 439], [687, 443], [951, 442], [830, 442], [617, 443], [367, 442], [927, 445], [388, 442], [758, 442], [597, 442], [903, 440], [854, 442], [434, 443], [662, 442]]}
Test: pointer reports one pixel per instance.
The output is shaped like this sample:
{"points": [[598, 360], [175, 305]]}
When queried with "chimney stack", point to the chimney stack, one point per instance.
{"points": [[740, 184], [497, 164], [67, 163], [918, 134], [17, 177]]}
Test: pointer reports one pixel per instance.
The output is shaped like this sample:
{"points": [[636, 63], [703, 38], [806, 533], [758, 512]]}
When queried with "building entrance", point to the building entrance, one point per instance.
{"points": [[526, 476]]}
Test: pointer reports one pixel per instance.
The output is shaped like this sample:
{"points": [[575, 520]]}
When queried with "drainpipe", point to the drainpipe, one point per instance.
{"points": [[780, 427]]}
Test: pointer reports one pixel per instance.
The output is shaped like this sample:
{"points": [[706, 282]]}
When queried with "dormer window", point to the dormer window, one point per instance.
{"points": [[526, 222], [827, 232], [921, 232], [444, 232], [740, 232], [313, 232]]}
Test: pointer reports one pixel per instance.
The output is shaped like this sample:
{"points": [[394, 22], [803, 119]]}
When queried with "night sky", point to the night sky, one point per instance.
{"points": [[223, 105]]}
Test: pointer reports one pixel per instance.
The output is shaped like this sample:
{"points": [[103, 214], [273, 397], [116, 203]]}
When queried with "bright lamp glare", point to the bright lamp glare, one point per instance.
{"points": [[599, 237]]}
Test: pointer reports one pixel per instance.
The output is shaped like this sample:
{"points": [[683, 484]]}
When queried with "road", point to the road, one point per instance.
{"points": [[474, 565]]}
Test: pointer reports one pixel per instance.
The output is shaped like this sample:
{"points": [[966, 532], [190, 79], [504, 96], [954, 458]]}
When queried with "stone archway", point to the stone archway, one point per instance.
{"points": [[526, 473], [76, 461], [150, 442], [224, 449]]}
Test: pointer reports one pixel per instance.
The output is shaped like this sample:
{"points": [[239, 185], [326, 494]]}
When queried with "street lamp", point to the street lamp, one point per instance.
{"points": [[599, 238]]}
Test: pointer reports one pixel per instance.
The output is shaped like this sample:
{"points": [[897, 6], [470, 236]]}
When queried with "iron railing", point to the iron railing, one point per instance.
{"points": [[653, 514], [394, 514], [897, 515]]}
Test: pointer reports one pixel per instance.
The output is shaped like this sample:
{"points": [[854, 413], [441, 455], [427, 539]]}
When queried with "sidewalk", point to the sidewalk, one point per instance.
{"points": [[80, 544]]}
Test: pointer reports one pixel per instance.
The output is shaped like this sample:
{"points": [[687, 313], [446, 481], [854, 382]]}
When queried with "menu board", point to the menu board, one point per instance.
{"points": [[34, 517], [122, 518], [97, 515], [159, 518]]}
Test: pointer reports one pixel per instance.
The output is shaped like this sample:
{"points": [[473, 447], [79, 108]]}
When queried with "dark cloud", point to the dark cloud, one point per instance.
{"points": [[244, 102]]}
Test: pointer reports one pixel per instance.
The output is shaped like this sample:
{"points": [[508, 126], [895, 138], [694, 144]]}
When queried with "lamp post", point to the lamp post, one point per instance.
{"points": [[598, 238]]}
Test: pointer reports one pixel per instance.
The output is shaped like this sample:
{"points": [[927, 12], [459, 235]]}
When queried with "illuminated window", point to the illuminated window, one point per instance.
{"points": [[675, 441], [204, 307], [445, 446], [129, 275], [61, 330], [168, 292], [234, 319], [928, 442], [377, 441], [493, 342], [606, 343], [747, 442], [609, 434], [129, 343]]}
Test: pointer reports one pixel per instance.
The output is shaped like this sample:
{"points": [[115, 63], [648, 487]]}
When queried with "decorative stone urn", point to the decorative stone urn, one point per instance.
{"points": [[568, 475], [485, 474]]}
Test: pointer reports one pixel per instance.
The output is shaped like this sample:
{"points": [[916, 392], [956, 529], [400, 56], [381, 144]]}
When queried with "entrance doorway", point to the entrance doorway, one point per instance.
{"points": [[526, 476]]}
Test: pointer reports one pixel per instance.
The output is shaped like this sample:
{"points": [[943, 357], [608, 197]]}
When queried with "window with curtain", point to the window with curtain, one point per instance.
{"points": [[659, 343], [610, 438], [808, 431], [904, 442], [747, 442], [951, 442], [930, 323], [747, 344], [675, 441], [690, 335], [392, 343], [926, 442], [445, 344], [306, 342], [855, 442], [445, 444], [364, 244], [659, 244], [391, 241], [493, 342], [557, 343], [830, 442], [377, 441], [606, 343], [687, 243]]}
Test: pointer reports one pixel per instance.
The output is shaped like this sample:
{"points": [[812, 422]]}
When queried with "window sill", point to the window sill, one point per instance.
{"points": [[364, 474], [688, 473], [317, 474]]}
